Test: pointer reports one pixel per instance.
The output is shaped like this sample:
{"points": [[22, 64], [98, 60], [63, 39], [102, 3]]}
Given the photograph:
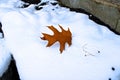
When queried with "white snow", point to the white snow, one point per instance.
{"points": [[5, 56], [93, 53]]}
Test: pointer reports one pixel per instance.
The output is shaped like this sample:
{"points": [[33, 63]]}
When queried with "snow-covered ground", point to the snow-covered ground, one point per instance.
{"points": [[5, 56], [93, 55]]}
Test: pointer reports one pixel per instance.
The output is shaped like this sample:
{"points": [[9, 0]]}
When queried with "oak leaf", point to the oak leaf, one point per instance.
{"points": [[65, 36]]}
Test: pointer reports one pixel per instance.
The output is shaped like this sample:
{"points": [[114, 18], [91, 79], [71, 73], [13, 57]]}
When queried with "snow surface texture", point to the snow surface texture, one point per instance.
{"points": [[93, 55], [5, 56]]}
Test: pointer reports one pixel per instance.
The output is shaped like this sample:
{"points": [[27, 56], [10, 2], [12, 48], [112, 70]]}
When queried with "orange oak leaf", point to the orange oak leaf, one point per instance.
{"points": [[62, 37]]}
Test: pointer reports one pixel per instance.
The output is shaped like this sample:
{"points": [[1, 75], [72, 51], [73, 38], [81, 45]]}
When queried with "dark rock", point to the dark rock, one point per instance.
{"points": [[32, 1], [25, 5], [38, 7], [113, 68], [11, 73], [109, 79], [55, 3], [1, 31], [44, 3], [1, 28]]}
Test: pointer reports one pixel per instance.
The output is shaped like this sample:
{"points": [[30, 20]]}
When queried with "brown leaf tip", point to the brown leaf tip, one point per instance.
{"points": [[63, 37]]}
